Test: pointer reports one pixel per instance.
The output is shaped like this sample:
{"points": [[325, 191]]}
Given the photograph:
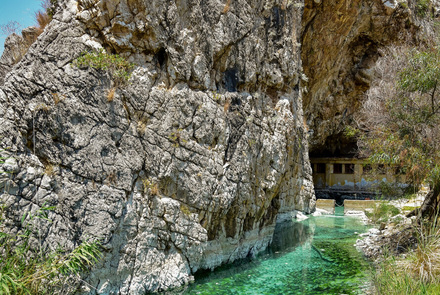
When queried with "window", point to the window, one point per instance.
{"points": [[381, 169], [349, 168], [337, 168], [320, 168], [399, 170], [367, 169]]}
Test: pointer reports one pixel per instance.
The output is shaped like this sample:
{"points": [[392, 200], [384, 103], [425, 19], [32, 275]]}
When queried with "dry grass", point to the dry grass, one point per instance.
{"points": [[154, 190], [142, 126], [42, 19], [226, 9], [111, 94], [306, 127], [227, 105], [112, 178], [424, 261], [57, 98], [416, 273], [50, 170]]}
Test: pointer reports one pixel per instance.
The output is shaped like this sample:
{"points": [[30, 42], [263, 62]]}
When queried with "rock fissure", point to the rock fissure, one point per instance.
{"points": [[165, 211]]}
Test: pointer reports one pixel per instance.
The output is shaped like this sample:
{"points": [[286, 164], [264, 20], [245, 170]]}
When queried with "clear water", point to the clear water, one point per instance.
{"points": [[315, 256]]}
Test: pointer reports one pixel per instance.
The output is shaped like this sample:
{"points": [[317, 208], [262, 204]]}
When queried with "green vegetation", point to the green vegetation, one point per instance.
{"points": [[185, 210], [51, 7], [418, 272], [382, 212], [422, 7], [400, 123], [401, 117], [25, 269], [118, 68], [150, 186]]}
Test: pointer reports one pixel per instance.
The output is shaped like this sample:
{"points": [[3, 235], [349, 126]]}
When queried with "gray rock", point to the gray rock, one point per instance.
{"points": [[184, 168]]}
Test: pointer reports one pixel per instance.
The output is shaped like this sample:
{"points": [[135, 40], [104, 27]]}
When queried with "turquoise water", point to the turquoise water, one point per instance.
{"points": [[315, 256]]}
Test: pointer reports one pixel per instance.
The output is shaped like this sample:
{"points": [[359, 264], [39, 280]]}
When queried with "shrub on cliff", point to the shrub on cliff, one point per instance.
{"points": [[118, 68], [25, 269]]}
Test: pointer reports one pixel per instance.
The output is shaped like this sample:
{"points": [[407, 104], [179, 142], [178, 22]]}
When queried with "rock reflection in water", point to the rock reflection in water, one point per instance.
{"points": [[289, 235]]}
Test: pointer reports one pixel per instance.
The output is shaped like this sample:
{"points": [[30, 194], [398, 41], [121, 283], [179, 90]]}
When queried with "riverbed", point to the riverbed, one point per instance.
{"points": [[313, 256]]}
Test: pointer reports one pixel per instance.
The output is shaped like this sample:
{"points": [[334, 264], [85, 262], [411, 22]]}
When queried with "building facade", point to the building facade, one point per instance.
{"points": [[350, 174]]}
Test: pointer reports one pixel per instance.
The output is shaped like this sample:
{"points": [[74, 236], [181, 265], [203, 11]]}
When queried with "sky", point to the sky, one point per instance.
{"points": [[21, 11]]}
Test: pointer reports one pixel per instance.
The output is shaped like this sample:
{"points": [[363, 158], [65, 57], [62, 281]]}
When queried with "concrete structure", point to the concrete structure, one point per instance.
{"points": [[349, 174], [326, 204], [356, 205]]}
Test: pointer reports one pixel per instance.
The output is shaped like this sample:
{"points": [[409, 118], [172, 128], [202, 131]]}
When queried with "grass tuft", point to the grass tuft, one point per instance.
{"points": [[26, 269], [382, 212], [418, 272], [111, 94]]}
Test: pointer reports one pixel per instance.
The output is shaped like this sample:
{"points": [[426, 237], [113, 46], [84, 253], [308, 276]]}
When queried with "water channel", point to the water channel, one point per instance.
{"points": [[314, 256]]}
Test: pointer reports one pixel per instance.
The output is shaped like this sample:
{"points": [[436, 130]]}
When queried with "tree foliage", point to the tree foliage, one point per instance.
{"points": [[401, 116]]}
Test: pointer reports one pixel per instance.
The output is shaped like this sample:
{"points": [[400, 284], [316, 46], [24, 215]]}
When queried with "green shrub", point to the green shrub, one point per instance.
{"points": [[119, 68], [26, 270], [422, 7], [51, 7], [382, 212]]}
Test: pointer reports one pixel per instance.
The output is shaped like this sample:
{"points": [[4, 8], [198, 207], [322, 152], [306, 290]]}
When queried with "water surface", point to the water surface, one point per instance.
{"points": [[315, 256]]}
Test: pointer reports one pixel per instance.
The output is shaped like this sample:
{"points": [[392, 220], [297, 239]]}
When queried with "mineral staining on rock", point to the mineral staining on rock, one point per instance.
{"points": [[185, 167]]}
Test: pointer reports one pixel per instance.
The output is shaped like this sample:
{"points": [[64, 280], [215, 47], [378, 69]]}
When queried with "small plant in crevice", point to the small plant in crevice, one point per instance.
{"points": [[50, 169], [216, 96], [118, 67], [42, 107], [111, 94], [185, 210], [26, 269], [142, 122], [57, 98], [176, 137], [150, 186], [141, 127], [227, 105], [112, 178]]}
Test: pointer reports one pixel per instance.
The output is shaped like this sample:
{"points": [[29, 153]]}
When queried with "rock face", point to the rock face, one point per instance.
{"points": [[186, 167], [340, 42], [15, 47]]}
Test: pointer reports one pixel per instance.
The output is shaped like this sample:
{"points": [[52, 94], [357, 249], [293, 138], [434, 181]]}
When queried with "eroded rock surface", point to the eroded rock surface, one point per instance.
{"points": [[340, 42], [187, 166]]}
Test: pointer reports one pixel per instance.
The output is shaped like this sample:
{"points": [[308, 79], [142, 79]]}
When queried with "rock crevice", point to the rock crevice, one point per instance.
{"points": [[188, 165]]}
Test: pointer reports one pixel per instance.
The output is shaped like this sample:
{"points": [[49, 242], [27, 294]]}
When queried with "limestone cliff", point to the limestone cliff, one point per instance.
{"points": [[340, 43], [187, 166]]}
